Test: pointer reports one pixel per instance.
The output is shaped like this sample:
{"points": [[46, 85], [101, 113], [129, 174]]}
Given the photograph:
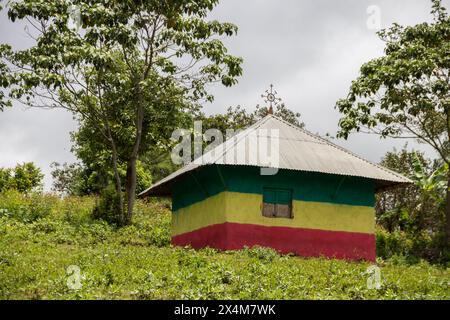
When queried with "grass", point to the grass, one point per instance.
{"points": [[41, 236]]}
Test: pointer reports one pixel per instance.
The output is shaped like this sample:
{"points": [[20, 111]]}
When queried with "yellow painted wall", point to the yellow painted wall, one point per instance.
{"points": [[200, 214], [246, 208]]}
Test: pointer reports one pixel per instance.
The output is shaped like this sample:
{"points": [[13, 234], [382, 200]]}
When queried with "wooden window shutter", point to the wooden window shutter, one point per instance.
{"points": [[269, 202], [277, 203], [269, 210]]}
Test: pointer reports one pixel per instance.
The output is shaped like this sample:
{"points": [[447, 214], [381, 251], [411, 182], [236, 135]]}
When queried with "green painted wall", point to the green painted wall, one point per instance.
{"points": [[307, 186]]}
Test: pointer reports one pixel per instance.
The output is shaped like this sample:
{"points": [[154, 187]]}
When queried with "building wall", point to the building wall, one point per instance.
{"points": [[221, 207]]}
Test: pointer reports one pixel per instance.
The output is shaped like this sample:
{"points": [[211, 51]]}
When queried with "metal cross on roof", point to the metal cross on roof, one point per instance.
{"points": [[271, 98]]}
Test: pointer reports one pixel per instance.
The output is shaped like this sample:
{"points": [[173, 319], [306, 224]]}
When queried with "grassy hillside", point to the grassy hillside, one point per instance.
{"points": [[40, 236]]}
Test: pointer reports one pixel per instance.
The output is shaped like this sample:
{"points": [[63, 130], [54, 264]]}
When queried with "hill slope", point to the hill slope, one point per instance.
{"points": [[41, 236]]}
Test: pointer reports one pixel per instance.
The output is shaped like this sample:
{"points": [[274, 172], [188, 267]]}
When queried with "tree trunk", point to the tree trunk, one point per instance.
{"points": [[131, 178], [447, 199], [130, 188], [447, 212], [118, 185]]}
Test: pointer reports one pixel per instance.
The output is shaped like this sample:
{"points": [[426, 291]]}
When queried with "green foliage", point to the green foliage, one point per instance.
{"points": [[413, 214], [24, 177], [72, 179], [5, 178], [25, 208], [107, 207], [431, 182], [52, 220], [281, 111], [138, 262], [78, 180], [406, 91], [417, 206], [159, 166], [261, 253], [144, 177], [129, 76], [412, 247], [238, 118]]}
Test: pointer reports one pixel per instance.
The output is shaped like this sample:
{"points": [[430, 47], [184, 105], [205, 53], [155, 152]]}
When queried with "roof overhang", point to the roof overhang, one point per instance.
{"points": [[299, 150]]}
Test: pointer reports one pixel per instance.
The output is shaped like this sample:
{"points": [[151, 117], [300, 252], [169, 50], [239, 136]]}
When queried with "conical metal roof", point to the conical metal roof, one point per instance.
{"points": [[298, 150]]}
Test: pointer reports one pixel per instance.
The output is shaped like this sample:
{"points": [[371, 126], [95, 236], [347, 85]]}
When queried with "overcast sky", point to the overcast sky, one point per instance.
{"points": [[310, 50]]}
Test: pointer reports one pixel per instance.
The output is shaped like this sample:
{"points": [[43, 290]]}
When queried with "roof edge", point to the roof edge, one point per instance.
{"points": [[192, 166]]}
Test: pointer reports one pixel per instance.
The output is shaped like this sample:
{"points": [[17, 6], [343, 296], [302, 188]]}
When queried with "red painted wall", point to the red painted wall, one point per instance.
{"points": [[303, 242]]}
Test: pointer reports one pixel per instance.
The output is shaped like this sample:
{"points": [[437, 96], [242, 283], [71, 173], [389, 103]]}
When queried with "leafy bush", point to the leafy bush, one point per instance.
{"points": [[108, 206], [26, 208], [24, 177], [414, 247], [413, 216], [77, 210], [261, 253]]}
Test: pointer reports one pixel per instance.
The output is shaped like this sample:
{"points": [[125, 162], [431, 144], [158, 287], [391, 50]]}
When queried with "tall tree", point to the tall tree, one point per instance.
{"points": [[130, 57], [405, 93], [24, 178]]}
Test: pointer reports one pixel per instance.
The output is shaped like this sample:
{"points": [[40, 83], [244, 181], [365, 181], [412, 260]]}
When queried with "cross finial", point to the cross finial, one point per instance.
{"points": [[271, 98]]}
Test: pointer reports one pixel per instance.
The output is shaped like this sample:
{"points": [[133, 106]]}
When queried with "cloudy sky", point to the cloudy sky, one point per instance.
{"points": [[310, 50]]}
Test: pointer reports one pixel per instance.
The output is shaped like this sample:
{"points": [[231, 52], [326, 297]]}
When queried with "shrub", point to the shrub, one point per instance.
{"points": [[160, 236], [108, 206], [261, 253], [26, 208], [95, 232], [24, 178], [412, 247], [77, 210]]}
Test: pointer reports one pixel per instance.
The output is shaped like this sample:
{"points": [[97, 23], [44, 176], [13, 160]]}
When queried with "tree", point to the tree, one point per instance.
{"points": [[158, 126], [416, 207], [5, 179], [131, 60], [238, 118], [77, 179], [405, 93], [281, 111], [73, 179], [24, 178]]}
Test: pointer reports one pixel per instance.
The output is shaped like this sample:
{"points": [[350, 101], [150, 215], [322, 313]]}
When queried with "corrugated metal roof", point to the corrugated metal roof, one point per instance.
{"points": [[298, 150]]}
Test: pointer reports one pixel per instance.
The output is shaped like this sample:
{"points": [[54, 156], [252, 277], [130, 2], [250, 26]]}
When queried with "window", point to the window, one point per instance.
{"points": [[277, 203]]}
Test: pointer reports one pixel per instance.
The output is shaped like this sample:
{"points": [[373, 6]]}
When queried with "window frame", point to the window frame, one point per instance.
{"points": [[276, 203]]}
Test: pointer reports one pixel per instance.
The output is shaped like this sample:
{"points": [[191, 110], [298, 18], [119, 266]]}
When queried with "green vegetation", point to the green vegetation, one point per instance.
{"points": [[406, 92], [414, 215], [42, 235], [24, 178], [129, 76]]}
